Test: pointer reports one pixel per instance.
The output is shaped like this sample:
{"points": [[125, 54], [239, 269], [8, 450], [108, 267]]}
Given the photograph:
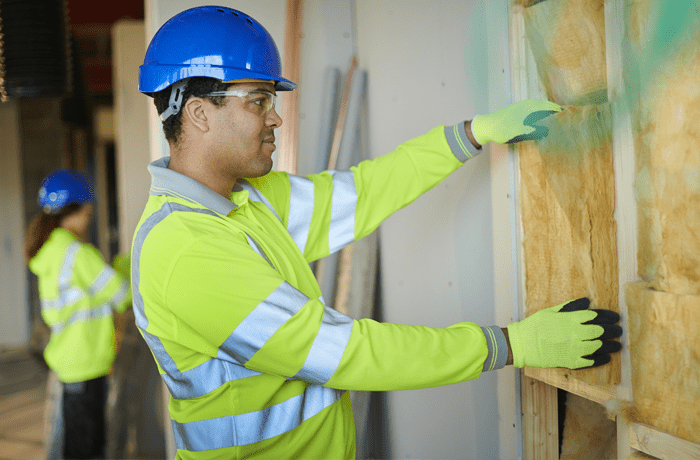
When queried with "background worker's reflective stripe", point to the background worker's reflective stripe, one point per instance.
{"points": [[86, 314], [65, 275], [328, 348], [252, 427], [255, 195], [121, 294], [261, 323], [301, 208], [66, 297], [101, 281], [343, 203]]}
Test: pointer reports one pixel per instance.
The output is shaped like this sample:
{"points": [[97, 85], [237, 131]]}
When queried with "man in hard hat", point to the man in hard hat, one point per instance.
{"points": [[256, 363]]}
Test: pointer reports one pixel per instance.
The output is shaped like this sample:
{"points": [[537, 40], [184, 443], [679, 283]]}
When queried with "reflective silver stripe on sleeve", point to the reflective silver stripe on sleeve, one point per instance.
{"points": [[328, 348], [498, 348], [83, 316], [203, 378], [199, 380], [342, 229], [252, 427], [462, 148], [65, 275], [101, 281], [261, 323], [301, 209]]}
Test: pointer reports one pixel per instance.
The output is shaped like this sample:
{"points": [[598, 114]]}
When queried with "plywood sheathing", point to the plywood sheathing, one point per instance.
{"points": [[568, 43], [667, 185], [665, 357], [588, 433], [567, 203]]}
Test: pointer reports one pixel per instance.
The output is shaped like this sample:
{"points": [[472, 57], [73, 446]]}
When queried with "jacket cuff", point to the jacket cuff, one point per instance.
{"points": [[461, 146], [498, 348]]}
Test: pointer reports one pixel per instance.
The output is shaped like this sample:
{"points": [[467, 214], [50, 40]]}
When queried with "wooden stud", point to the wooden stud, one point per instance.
{"points": [[540, 419], [289, 134]]}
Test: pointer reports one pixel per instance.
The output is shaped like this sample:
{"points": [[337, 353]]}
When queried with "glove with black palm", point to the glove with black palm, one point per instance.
{"points": [[567, 335]]}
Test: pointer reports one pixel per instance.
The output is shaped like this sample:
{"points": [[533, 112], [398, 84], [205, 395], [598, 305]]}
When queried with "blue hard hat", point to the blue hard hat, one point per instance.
{"points": [[62, 188], [211, 41]]}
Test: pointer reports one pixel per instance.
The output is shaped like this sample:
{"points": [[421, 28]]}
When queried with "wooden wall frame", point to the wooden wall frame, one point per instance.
{"points": [[539, 386]]}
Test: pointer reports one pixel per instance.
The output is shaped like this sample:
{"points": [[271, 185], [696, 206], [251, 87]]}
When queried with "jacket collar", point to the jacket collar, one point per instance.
{"points": [[170, 183]]}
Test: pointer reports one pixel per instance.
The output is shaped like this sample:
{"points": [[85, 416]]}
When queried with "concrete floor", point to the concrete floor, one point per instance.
{"points": [[22, 403]]}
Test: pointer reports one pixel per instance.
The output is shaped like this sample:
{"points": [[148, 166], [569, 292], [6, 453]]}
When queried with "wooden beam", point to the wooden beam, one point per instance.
{"points": [[289, 134], [540, 419], [556, 378], [661, 445]]}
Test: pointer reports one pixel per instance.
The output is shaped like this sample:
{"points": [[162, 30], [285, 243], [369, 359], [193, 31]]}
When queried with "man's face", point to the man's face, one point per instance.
{"points": [[242, 135]]}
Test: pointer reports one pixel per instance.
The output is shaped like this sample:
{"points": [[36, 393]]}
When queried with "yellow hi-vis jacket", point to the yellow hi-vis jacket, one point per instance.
{"points": [[78, 292], [256, 364]]}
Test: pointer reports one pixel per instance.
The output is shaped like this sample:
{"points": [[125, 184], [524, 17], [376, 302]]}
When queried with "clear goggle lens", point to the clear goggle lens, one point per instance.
{"points": [[259, 101]]}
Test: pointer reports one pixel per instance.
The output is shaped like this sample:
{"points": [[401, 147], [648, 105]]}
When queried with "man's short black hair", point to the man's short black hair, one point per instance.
{"points": [[197, 87]]}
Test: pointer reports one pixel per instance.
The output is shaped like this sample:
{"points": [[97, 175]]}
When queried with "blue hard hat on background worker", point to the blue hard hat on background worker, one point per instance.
{"points": [[63, 188]]}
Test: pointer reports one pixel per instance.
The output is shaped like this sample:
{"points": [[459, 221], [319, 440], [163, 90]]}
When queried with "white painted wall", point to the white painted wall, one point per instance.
{"points": [[447, 257], [14, 311], [430, 63], [131, 121]]}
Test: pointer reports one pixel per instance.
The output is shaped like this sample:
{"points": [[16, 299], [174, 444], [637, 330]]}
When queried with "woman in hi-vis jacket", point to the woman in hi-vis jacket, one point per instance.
{"points": [[79, 292]]}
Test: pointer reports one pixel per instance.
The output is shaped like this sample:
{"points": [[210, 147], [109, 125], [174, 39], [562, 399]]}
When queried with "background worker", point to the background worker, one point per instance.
{"points": [[256, 363], [78, 293]]}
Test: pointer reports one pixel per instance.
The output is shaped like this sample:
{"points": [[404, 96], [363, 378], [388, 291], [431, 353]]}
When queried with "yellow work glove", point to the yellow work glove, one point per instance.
{"points": [[515, 123], [568, 335], [122, 264]]}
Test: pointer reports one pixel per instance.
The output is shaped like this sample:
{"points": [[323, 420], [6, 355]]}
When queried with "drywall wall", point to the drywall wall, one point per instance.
{"points": [[433, 63]]}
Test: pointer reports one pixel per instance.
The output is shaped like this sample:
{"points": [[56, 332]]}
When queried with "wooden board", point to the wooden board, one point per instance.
{"points": [[661, 445], [540, 420]]}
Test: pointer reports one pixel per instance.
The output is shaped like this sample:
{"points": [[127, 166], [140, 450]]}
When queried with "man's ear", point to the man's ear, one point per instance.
{"points": [[195, 112]]}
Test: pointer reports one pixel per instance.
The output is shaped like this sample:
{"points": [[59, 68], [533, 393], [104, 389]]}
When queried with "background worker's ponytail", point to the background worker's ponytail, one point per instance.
{"points": [[40, 228]]}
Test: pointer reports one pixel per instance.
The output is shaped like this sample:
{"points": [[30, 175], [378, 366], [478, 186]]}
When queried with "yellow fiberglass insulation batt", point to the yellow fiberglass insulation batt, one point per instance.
{"points": [[567, 201], [567, 39], [667, 185], [665, 355]]}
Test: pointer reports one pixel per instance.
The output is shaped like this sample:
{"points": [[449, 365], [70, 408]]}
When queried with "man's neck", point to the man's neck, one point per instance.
{"points": [[195, 167]]}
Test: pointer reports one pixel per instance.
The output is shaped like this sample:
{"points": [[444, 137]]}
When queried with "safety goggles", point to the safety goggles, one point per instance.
{"points": [[259, 102]]}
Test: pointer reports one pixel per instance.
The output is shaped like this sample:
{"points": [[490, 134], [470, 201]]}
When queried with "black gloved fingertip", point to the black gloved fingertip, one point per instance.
{"points": [[605, 317], [576, 305]]}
